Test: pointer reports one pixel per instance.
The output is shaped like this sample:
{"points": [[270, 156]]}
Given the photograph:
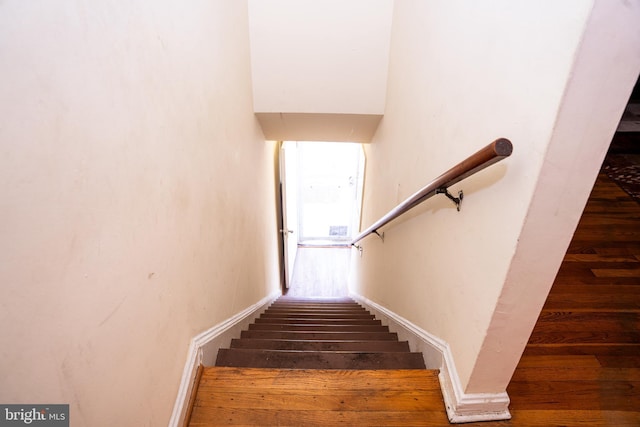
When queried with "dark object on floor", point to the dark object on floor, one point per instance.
{"points": [[624, 170]]}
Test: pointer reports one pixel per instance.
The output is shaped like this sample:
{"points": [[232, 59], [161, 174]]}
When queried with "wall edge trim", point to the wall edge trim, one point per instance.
{"points": [[195, 356], [461, 407]]}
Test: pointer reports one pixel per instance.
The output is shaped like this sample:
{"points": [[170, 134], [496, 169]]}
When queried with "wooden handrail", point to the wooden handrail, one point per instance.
{"points": [[492, 153]]}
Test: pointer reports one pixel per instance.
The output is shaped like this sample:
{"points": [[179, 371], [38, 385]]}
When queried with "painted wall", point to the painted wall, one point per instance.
{"points": [[137, 203], [462, 74]]}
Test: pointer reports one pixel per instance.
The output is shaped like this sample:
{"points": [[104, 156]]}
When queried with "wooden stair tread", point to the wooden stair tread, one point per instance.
{"points": [[317, 314], [294, 320], [284, 300], [261, 358], [297, 307], [362, 315], [351, 336], [276, 306], [293, 327], [330, 379], [270, 417], [338, 307], [249, 396]]}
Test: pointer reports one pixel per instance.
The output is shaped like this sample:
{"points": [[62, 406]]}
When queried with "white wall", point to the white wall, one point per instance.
{"points": [[462, 74], [137, 203], [605, 69]]}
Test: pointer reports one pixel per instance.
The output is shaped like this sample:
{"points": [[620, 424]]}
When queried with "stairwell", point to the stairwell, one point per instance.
{"points": [[318, 362]]}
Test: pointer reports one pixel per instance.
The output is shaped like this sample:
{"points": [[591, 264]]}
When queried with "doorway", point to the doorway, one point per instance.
{"points": [[322, 186]]}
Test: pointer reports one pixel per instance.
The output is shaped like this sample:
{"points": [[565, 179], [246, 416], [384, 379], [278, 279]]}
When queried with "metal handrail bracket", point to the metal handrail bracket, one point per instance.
{"points": [[492, 153]]}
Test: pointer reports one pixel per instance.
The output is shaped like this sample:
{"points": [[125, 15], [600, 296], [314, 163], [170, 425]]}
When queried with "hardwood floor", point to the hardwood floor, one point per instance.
{"points": [[582, 363], [320, 271]]}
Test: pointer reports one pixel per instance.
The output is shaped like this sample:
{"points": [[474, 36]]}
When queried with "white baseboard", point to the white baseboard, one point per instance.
{"points": [[461, 407], [469, 407], [204, 348]]}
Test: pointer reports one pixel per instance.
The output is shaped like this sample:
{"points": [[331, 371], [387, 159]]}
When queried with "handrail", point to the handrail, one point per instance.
{"points": [[492, 153]]}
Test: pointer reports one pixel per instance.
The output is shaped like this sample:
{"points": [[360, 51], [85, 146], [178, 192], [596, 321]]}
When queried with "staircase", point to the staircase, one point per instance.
{"points": [[312, 334], [318, 362]]}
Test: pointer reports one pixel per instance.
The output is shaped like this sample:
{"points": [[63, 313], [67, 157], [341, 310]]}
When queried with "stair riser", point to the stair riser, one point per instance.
{"points": [[337, 336], [368, 346], [311, 301], [318, 360], [315, 307], [287, 300], [318, 328], [317, 312], [321, 306], [296, 320], [268, 315]]}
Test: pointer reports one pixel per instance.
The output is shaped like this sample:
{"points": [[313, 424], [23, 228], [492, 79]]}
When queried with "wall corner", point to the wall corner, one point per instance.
{"points": [[461, 407], [469, 407], [204, 347]]}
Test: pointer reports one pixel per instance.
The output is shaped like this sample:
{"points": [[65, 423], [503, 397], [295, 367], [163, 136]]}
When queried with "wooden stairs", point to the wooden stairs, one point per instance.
{"points": [[318, 362]]}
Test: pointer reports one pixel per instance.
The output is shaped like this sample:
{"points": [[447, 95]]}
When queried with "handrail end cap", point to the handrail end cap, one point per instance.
{"points": [[503, 147]]}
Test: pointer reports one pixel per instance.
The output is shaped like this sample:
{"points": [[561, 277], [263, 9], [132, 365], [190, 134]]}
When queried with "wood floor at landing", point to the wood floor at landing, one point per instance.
{"points": [[581, 366]]}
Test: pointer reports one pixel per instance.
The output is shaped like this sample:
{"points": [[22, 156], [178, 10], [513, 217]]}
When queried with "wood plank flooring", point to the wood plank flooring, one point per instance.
{"points": [[318, 398], [320, 271], [582, 363]]}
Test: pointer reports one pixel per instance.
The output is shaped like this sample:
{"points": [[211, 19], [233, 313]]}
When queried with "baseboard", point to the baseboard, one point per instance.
{"points": [[461, 407], [431, 347], [469, 407], [203, 349]]}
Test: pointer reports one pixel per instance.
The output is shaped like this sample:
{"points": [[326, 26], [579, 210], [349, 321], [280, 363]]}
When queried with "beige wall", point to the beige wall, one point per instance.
{"points": [[137, 204], [462, 74]]}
